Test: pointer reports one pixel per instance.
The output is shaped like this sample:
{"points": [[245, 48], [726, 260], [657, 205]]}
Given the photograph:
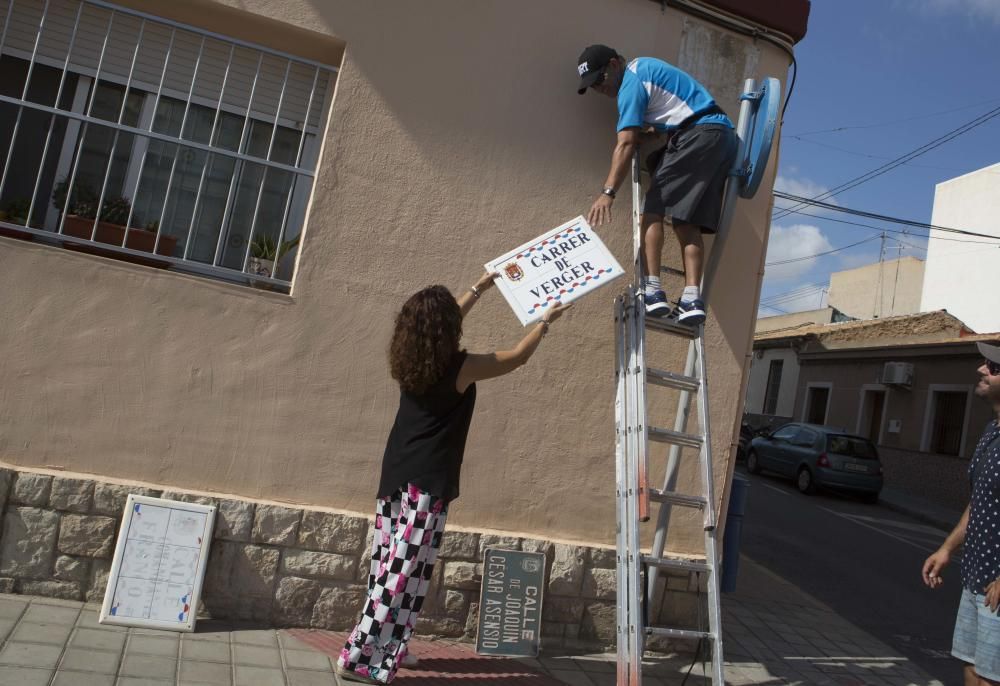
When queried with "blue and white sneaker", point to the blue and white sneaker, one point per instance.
{"points": [[656, 304], [690, 312]]}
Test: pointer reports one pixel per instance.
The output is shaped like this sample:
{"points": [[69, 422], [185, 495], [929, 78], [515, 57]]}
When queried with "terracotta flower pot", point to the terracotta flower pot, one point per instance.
{"points": [[114, 234]]}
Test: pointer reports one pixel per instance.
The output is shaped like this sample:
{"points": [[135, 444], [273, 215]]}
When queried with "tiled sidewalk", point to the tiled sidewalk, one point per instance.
{"points": [[774, 634]]}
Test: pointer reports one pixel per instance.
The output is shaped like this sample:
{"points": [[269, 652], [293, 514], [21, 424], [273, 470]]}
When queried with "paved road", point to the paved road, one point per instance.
{"points": [[863, 561]]}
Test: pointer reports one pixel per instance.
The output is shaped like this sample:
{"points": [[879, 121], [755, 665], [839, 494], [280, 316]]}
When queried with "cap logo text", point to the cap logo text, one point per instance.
{"points": [[583, 68]]}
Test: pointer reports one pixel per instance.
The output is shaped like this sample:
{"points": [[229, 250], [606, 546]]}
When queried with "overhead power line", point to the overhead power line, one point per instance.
{"points": [[903, 159], [876, 228], [819, 254], [894, 121], [803, 201]]}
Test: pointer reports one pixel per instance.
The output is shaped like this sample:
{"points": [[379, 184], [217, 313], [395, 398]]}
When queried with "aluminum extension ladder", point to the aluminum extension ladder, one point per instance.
{"points": [[637, 571]]}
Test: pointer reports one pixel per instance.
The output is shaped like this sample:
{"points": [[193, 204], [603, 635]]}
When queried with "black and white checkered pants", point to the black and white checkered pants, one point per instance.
{"points": [[408, 529]]}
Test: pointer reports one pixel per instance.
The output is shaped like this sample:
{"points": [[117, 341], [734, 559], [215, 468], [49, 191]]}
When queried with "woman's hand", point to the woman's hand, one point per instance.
{"points": [[555, 312], [486, 281]]}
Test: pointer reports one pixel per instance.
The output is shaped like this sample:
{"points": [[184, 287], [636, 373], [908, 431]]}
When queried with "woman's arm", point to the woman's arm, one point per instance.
{"points": [[479, 367], [469, 297]]}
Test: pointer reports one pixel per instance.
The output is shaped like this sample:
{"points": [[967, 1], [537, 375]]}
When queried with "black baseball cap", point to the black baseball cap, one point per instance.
{"points": [[990, 352], [592, 62]]}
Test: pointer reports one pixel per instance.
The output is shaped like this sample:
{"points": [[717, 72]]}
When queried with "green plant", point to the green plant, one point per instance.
{"points": [[83, 203], [152, 226], [17, 210], [116, 210], [264, 247]]}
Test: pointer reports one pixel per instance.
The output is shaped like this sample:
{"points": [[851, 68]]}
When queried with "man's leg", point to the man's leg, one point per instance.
{"points": [[692, 252], [651, 236], [652, 243]]}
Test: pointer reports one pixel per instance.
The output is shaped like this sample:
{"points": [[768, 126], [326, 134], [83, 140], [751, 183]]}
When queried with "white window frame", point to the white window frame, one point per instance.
{"points": [[828, 385], [79, 117], [863, 401], [930, 409]]}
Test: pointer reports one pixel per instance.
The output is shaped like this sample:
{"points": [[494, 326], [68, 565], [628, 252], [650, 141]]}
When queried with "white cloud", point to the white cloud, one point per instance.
{"points": [[803, 187], [791, 243], [972, 9]]}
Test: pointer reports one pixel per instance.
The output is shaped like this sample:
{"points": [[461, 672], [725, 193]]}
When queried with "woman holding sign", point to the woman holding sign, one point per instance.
{"points": [[421, 466]]}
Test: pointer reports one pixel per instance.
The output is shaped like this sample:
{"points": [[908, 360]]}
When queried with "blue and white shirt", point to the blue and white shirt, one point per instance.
{"points": [[654, 93], [981, 559]]}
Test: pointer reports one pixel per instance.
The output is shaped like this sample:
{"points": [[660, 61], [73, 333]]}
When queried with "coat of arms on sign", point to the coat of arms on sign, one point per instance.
{"points": [[514, 271]]}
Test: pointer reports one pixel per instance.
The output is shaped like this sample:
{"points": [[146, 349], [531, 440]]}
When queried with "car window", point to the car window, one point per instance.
{"points": [[851, 446], [786, 432], [805, 437]]}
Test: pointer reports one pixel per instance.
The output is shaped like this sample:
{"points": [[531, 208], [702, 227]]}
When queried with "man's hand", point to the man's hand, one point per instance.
{"points": [[933, 567], [600, 211], [992, 599]]}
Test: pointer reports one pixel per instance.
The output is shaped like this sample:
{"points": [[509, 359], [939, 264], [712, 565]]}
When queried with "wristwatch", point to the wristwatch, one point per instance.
{"points": [[608, 191]]}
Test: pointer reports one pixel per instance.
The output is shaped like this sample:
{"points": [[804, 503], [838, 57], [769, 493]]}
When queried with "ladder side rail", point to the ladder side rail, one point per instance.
{"points": [[621, 542], [639, 272], [634, 560], [711, 530]]}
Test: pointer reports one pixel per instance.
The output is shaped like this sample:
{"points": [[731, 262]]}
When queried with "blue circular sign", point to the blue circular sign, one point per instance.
{"points": [[758, 146]]}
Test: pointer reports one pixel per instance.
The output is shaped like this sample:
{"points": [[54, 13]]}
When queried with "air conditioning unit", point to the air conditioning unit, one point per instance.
{"points": [[897, 374]]}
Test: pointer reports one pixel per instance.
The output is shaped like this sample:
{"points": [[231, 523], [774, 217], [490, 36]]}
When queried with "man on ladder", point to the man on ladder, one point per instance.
{"points": [[688, 174]]}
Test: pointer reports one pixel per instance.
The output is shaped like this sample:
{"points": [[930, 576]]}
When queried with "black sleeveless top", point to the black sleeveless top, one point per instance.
{"points": [[427, 440]]}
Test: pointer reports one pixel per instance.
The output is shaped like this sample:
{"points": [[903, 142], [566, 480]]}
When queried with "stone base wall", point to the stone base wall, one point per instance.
{"points": [[302, 567]]}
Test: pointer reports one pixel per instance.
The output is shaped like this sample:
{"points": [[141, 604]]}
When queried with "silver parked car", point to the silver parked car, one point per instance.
{"points": [[819, 457]]}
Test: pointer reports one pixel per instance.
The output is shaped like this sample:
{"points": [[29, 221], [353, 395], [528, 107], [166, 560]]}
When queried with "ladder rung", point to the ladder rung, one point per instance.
{"points": [[679, 633], [668, 325], [660, 377], [673, 563], [674, 437], [682, 499]]}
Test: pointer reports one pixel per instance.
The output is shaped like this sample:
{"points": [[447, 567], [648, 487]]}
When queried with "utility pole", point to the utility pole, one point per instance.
{"points": [[877, 307]]}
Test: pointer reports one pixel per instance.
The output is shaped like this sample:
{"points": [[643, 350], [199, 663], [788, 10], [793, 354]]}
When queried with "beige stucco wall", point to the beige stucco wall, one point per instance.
{"points": [[759, 372], [882, 289], [455, 134], [793, 319], [850, 377]]}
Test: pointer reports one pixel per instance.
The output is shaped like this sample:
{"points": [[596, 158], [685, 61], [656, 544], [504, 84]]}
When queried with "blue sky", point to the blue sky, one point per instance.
{"points": [[898, 74]]}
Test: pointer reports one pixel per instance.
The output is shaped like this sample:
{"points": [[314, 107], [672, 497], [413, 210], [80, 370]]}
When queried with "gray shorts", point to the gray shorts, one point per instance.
{"points": [[689, 179], [977, 636]]}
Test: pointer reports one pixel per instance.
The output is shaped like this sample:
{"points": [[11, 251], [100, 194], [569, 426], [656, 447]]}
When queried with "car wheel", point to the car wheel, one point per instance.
{"points": [[805, 482], [753, 466], [870, 498]]}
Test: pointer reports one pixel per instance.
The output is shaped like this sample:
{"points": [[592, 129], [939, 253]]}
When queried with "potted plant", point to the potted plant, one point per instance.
{"points": [[15, 212], [81, 211], [265, 252]]}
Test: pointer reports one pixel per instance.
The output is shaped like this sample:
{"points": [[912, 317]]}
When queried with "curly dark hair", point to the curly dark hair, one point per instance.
{"points": [[425, 339]]}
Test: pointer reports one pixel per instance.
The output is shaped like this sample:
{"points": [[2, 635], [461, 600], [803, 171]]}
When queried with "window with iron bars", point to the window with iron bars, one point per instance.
{"points": [[137, 137]]}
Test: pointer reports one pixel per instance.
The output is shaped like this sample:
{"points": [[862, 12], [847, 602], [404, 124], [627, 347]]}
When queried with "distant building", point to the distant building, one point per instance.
{"points": [[883, 289], [904, 382], [774, 372], [960, 276]]}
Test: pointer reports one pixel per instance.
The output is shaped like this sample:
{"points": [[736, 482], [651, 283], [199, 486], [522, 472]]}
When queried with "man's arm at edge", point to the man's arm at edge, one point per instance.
{"points": [[621, 157]]}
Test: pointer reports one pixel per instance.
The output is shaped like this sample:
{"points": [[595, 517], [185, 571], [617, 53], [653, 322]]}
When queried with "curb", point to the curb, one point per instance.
{"points": [[926, 513]]}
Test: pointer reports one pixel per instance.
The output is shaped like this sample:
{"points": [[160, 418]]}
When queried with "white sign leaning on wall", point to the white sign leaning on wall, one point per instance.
{"points": [[561, 265], [159, 564]]}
